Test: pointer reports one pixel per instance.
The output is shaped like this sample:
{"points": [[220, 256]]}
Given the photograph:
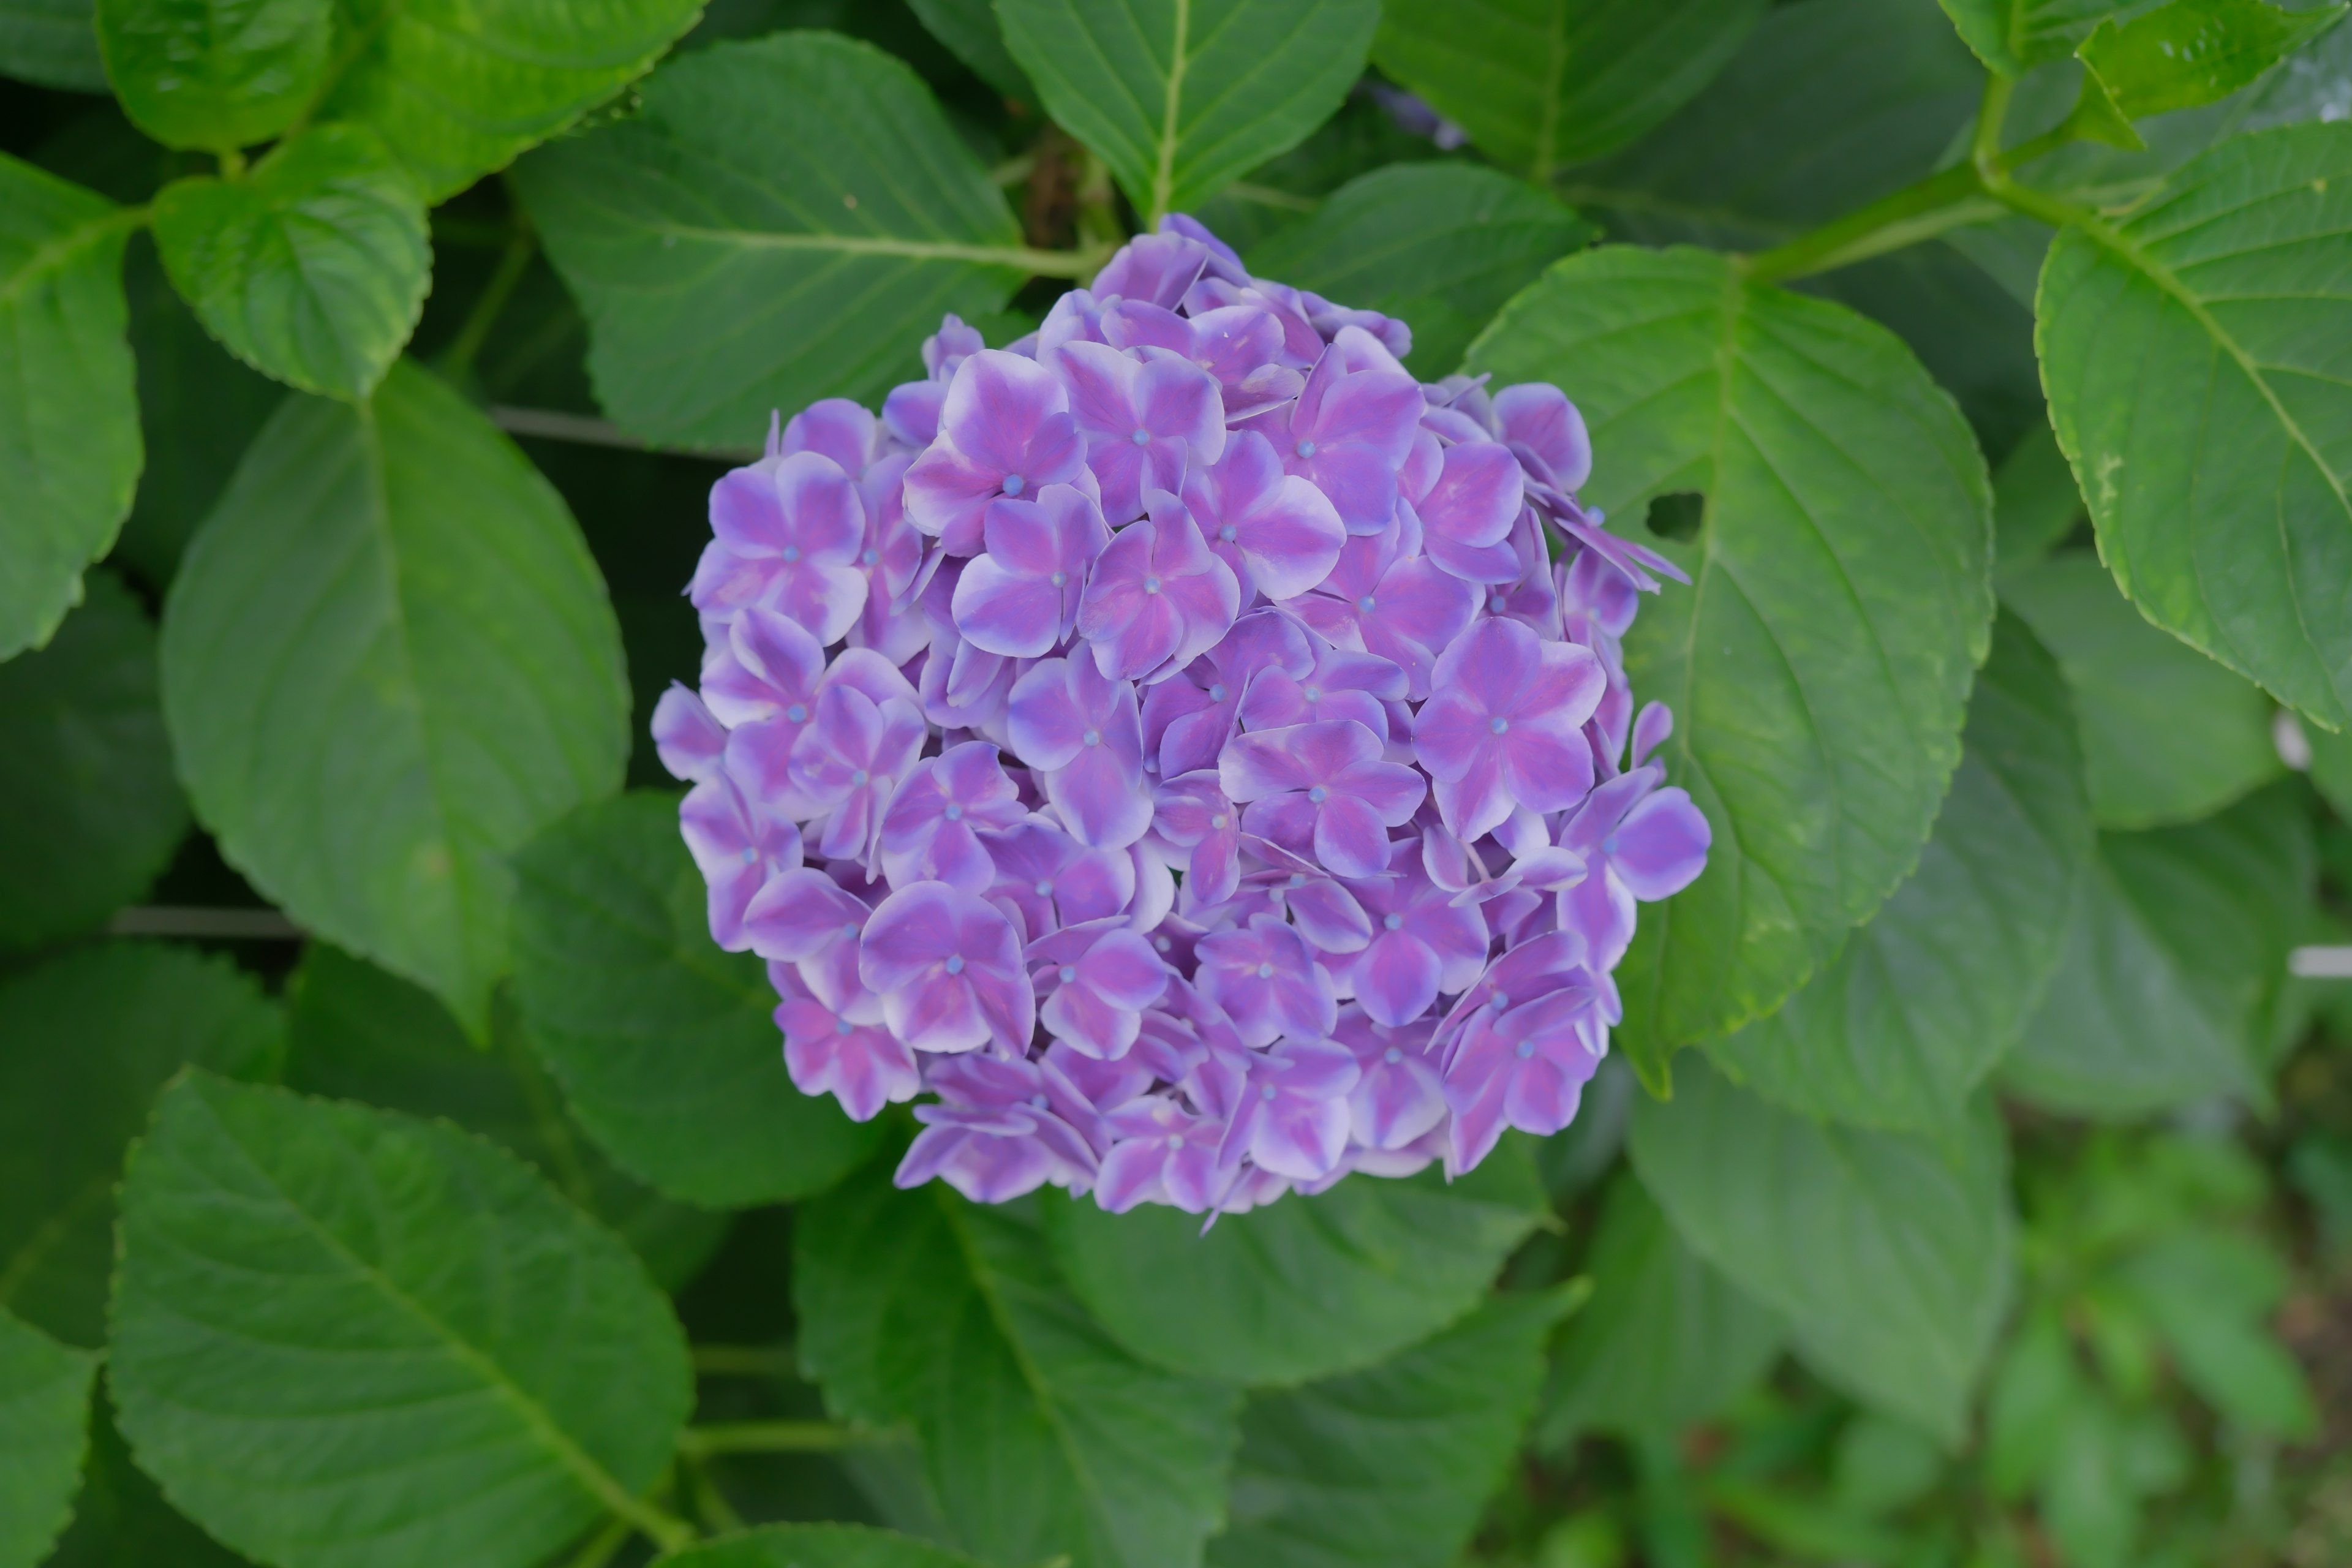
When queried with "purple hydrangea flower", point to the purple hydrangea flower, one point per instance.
{"points": [[1166, 750]]}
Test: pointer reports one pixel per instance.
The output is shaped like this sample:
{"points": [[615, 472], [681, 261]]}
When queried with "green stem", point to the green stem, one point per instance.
{"points": [[1920, 211], [2056, 211], [599, 1548], [459, 356], [1992, 112], [768, 1437], [232, 163], [744, 1361], [708, 1501]]}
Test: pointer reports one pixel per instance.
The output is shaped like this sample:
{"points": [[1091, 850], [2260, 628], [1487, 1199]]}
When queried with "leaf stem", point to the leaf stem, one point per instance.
{"points": [[744, 1361], [1946, 200], [709, 1501], [599, 1548], [458, 358], [768, 1437], [1992, 113]]}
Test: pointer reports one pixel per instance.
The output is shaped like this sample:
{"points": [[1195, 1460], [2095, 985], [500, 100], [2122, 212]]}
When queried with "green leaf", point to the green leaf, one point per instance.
{"points": [[2210, 1294], [2331, 768], [1389, 1465], [199, 409], [2036, 1389], [666, 1046], [969, 30], [2034, 502], [2200, 408], [2176, 951], [1040, 1436], [1666, 1342], [1541, 84], [85, 1041], [52, 42], [357, 1033], [1182, 97], [44, 1430], [2192, 52], [313, 267], [2167, 734], [1439, 245], [121, 1518], [348, 1338], [1883, 1464], [1304, 1288], [388, 660], [459, 87], [68, 413], [91, 808], [1901, 1028], [783, 221], [816, 1546], [1888, 1255], [1819, 666], [215, 74], [2011, 37]]}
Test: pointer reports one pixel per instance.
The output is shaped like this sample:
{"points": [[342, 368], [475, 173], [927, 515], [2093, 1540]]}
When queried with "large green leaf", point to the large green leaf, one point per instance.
{"points": [[1440, 245], [356, 1032], [1541, 84], [44, 1430], [1666, 1342], [1898, 1031], [459, 87], [1304, 1288], [90, 809], [968, 29], [1888, 1255], [1182, 97], [2013, 36], [783, 221], [347, 1337], [199, 409], [1819, 665], [388, 660], [1389, 1465], [2194, 52], [68, 411], [2167, 734], [313, 267], [53, 42], [2196, 354], [816, 1546], [215, 74], [2175, 957], [85, 1041], [665, 1046], [1040, 1436]]}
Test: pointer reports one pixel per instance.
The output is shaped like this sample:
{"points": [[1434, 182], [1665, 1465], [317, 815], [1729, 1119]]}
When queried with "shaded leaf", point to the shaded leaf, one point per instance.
{"points": [[215, 74], [969, 29], [357, 1033], [2210, 1294], [313, 267], [68, 413], [388, 660], [1388, 1465], [2193, 52], [666, 1046], [343, 1336], [1819, 666], [1304, 1288], [1439, 245], [91, 809], [1905, 1022], [2034, 502], [44, 1430], [1888, 1255], [2013, 36], [2176, 950], [2202, 411], [121, 1517], [2167, 734], [1541, 84], [459, 87], [1040, 1436], [785, 220], [52, 42], [85, 1040], [815, 1546], [1665, 1343], [1182, 96]]}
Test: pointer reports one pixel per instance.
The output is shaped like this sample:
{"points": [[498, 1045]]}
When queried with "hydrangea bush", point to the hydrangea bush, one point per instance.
{"points": [[1190, 750]]}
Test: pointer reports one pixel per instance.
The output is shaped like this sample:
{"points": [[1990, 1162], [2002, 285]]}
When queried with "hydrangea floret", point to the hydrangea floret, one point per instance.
{"points": [[1190, 756]]}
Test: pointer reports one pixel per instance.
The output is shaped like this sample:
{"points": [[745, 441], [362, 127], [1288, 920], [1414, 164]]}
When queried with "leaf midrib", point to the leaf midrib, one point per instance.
{"points": [[1163, 174], [538, 1423], [53, 255]]}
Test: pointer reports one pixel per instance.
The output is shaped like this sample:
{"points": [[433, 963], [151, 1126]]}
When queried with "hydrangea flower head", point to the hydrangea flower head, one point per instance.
{"points": [[1186, 755]]}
